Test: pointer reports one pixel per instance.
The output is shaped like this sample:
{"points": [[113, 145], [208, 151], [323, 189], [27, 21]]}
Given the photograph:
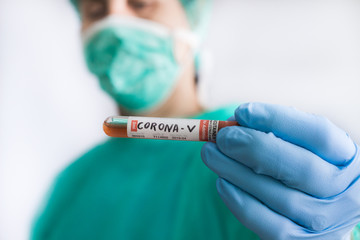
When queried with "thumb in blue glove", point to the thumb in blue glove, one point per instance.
{"points": [[286, 174]]}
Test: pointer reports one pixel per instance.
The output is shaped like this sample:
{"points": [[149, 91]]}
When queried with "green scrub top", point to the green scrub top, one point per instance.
{"points": [[139, 189]]}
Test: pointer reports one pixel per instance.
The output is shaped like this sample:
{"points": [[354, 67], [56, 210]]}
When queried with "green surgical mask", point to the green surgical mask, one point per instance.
{"points": [[134, 60]]}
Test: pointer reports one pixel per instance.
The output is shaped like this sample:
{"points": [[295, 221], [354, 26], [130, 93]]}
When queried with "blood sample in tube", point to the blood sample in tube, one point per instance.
{"points": [[165, 128]]}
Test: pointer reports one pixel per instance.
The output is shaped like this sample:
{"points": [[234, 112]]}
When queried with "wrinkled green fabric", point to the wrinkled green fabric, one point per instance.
{"points": [[139, 189], [356, 233]]}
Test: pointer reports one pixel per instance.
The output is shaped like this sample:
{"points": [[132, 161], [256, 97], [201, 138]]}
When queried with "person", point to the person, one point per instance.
{"points": [[281, 174]]}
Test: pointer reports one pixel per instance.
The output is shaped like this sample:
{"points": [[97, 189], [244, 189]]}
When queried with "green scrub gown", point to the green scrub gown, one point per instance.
{"points": [[139, 189]]}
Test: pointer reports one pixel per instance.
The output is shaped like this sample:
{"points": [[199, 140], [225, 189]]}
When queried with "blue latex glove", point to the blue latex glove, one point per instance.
{"points": [[286, 174]]}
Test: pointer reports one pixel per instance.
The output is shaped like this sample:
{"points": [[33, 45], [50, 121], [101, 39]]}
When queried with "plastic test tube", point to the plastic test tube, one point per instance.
{"points": [[164, 128]]}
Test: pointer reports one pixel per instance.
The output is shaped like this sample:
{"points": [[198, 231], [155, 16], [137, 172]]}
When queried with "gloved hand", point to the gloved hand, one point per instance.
{"points": [[286, 174]]}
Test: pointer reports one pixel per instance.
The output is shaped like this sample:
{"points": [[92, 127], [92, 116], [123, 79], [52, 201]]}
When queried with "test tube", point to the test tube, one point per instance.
{"points": [[164, 128]]}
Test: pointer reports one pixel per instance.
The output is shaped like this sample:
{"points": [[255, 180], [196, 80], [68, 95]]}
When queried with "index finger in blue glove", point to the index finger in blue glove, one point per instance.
{"points": [[315, 133]]}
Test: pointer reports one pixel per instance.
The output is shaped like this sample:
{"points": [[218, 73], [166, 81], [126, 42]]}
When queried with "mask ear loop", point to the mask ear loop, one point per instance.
{"points": [[192, 42], [189, 38]]}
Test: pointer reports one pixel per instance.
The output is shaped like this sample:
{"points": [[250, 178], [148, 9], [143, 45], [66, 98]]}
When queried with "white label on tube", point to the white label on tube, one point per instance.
{"points": [[172, 129]]}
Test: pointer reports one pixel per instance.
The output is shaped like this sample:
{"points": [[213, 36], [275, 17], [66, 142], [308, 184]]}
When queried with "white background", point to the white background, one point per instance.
{"points": [[301, 53]]}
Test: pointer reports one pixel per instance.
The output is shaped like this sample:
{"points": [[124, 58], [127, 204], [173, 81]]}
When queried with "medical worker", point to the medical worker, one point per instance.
{"points": [[284, 174]]}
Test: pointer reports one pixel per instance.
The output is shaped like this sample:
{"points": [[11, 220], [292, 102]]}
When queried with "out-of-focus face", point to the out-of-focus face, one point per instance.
{"points": [[183, 100], [167, 12]]}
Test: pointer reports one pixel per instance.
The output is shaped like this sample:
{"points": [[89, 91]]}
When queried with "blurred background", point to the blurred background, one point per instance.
{"points": [[293, 52]]}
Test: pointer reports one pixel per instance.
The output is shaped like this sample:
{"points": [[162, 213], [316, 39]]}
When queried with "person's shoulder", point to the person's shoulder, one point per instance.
{"points": [[100, 153], [219, 113], [105, 148], [67, 186], [80, 168], [73, 175]]}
